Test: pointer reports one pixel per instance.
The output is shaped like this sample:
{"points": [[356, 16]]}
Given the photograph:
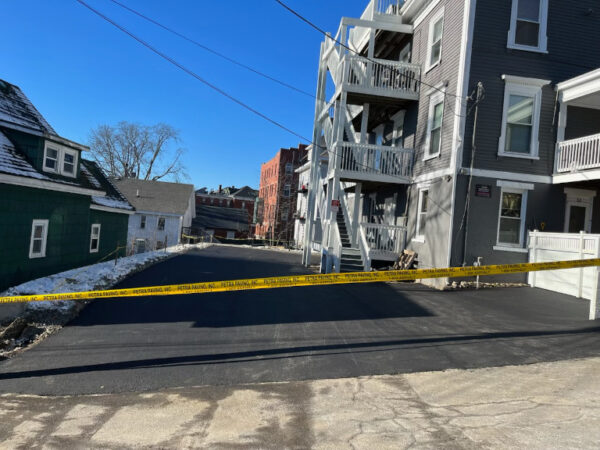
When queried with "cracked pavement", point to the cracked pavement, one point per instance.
{"points": [[538, 406]]}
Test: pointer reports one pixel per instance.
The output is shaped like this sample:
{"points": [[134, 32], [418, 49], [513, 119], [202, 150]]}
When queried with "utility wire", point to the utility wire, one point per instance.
{"points": [[207, 83], [327, 35], [210, 50], [191, 73]]}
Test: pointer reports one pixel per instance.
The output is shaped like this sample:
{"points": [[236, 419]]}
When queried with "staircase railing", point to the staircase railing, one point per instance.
{"points": [[383, 241]]}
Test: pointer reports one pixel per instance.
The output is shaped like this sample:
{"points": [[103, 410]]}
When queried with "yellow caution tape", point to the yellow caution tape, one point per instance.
{"points": [[307, 280]]}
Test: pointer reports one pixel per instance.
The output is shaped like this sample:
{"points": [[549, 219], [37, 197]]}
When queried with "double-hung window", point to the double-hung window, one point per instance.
{"points": [[521, 117], [434, 46], [161, 224], [95, 238], [512, 215], [142, 222], [423, 206], [289, 168], [69, 161], [528, 25], [433, 142], [39, 238], [51, 159], [287, 190], [60, 160]]}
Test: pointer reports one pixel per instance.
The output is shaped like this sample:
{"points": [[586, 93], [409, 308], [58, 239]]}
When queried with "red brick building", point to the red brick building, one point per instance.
{"points": [[278, 194]]}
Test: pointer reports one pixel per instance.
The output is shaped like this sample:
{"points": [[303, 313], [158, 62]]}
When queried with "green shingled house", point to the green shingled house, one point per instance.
{"points": [[58, 210]]}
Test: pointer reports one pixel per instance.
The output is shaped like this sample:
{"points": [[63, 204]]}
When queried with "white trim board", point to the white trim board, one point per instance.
{"points": [[112, 210], [161, 214], [513, 176], [48, 185]]}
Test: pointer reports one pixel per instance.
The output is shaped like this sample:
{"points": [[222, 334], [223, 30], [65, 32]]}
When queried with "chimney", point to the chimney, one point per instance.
{"points": [[220, 188]]}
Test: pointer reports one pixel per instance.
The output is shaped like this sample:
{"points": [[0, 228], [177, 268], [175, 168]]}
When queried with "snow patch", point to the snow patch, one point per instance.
{"points": [[111, 203], [96, 276]]}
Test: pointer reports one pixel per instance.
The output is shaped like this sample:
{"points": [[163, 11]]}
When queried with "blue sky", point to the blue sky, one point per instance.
{"points": [[80, 72]]}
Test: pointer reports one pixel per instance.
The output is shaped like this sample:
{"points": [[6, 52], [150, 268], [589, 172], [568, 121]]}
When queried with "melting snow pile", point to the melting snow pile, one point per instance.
{"points": [[97, 276]]}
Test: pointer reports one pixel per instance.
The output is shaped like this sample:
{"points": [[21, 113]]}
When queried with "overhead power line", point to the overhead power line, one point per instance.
{"points": [[210, 50], [408, 77], [191, 72]]}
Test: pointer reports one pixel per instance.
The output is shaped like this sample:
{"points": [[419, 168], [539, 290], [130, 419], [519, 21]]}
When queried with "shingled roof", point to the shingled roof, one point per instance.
{"points": [[156, 196], [16, 109]]}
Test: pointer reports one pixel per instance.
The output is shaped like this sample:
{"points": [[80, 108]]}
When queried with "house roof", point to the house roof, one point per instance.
{"points": [[156, 196], [16, 109], [90, 176], [13, 163], [246, 192], [113, 198], [215, 217]]}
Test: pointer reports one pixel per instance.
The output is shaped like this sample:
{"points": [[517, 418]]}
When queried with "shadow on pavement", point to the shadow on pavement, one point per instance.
{"points": [[290, 352]]}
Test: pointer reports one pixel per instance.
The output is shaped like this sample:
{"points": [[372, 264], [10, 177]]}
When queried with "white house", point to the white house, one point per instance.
{"points": [[162, 211]]}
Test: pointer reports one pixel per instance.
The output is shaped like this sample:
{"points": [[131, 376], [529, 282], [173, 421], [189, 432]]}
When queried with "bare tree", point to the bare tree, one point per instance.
{"points": [[131, 150]]}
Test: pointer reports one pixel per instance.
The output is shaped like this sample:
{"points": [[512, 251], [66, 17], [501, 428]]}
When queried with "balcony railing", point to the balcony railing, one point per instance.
{"points": [[379, 77], [578, 154], [384, 242], [371, 162]]}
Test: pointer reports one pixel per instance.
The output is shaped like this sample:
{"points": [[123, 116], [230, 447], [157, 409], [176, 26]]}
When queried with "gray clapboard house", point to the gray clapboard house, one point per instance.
{"points": [[412, 163]]}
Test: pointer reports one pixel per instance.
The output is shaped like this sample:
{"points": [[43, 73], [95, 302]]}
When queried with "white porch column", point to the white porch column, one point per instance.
{"points": [[561, 129], [314, 163], [356, 213]]}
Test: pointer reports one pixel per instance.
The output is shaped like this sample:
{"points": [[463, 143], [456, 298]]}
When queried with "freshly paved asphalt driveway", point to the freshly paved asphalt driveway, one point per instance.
{"points": [[292, 334]]}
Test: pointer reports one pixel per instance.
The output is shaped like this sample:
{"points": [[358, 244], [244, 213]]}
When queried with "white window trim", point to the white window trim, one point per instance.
{"points": [[543, 32], [60, 162], [49, 169], [507, 246], [420, 238], [439, 15], [75, 155], [94, 225], [42, 254], [434, 100], [527, 87]]}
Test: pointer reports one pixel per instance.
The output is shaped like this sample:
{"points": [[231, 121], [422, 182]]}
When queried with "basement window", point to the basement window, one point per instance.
{"points": [[95, 238], [39, 238]]}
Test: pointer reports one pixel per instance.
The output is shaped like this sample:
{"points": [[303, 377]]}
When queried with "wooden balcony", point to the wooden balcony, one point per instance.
{"points": [[579, 154], [363, 162], [377, 80]]}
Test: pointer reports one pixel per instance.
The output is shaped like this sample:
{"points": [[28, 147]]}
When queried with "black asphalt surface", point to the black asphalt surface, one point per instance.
{"points": [[129, 345]]}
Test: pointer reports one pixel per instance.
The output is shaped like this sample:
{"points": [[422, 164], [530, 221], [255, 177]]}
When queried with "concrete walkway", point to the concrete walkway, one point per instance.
{"points": [[540, 406]]}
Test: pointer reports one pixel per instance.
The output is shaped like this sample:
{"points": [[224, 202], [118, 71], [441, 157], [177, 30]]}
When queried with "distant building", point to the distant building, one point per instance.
{"points": [[230, 197], [162, 211], [220, 222], [58, 211], [278, 193]]}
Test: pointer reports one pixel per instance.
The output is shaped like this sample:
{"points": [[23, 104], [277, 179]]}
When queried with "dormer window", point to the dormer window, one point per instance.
{"points": [[60, 160], [69, 161], [51, 159]]}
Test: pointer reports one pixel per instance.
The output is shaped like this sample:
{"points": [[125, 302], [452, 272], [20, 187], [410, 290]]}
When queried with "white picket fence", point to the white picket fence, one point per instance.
{"points": [[581, 283]]}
